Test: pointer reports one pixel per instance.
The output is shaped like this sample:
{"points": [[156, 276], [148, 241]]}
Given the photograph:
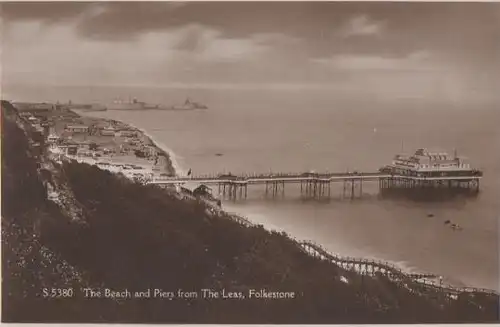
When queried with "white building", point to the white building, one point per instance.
{"points": [[128, 133], [52, 138], [77, 128], [425, 161], [108, 131]]}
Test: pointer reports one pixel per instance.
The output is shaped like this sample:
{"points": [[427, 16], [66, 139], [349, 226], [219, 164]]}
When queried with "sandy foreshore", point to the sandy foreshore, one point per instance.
{"points": [[175, 168]]}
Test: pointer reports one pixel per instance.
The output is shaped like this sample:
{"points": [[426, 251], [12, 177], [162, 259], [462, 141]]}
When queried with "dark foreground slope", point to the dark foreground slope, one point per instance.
{"points": [[28, 265], [139, 237]]}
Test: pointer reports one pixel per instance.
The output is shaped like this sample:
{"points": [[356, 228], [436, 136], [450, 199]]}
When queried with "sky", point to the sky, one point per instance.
{"points": [[433, 50]]}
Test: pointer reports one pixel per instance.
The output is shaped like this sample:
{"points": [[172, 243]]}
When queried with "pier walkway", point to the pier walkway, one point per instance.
{"points": [[318, 185]]}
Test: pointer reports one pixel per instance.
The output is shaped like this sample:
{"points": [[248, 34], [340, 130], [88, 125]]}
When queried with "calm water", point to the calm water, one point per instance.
{"points": [[262, 131]]}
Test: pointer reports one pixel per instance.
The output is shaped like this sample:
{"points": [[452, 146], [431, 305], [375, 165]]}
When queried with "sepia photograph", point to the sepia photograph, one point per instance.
{"points": [[250, 162]]}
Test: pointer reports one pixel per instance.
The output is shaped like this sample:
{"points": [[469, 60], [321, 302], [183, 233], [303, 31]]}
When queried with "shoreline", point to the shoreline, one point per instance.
{"points": [[242, 218], [170, 154]]}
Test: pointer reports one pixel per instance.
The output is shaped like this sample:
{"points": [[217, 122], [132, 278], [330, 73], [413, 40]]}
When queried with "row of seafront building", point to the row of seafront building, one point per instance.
{"points": [[108, 144]]}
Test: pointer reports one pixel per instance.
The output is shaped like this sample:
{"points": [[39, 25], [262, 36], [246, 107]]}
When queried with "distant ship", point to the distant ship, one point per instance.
{"points": [[188, 105], [133, 104]]}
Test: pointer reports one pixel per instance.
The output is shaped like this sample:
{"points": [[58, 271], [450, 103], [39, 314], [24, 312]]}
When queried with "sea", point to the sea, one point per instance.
{"points": [[300, 130]]}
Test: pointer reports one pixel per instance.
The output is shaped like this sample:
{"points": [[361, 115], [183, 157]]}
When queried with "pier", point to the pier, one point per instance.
{"points": [[318, 185]]}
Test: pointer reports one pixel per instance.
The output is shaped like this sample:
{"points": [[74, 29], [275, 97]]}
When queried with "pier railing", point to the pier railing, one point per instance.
{"points": [[307, 176], [319, 185]]}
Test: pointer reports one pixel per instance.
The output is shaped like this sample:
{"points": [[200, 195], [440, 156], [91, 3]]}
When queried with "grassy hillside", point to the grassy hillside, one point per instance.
{"points": [[138, 237]]}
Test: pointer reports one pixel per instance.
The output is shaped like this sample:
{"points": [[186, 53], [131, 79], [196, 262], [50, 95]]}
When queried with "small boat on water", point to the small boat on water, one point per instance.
{"points": [[453, 226]]}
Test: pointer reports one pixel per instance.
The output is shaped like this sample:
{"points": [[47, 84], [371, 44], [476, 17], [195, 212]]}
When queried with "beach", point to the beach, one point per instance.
{"points": [[174, 166]]}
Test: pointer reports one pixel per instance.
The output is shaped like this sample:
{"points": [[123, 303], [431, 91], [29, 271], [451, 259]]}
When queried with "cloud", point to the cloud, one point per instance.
{"points": [[46, 12], [207, 44], [252, 47], [276, 39], [220, 49], [415, 61], [55, 56], [192, 53], [210, 45], [361, 25], [450, 27]]}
